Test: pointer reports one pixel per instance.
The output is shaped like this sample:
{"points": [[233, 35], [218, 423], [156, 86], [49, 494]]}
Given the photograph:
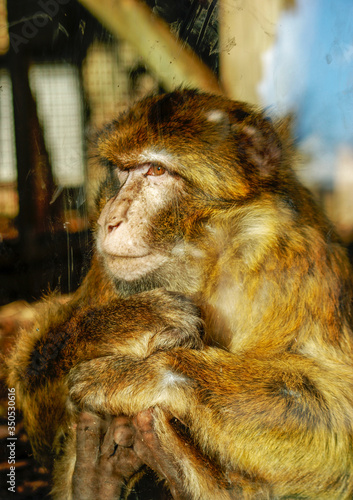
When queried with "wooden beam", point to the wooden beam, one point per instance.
{"points": [[4, 31], [170, 59], [247, 30]]}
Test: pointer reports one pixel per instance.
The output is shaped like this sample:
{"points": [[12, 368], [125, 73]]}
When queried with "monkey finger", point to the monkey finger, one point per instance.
{"points": [[118, 458], [125, 462], [120, 432], [124, 431], [88, 435], [147, 446], [116, 468], [146, 443], [144, 420]]}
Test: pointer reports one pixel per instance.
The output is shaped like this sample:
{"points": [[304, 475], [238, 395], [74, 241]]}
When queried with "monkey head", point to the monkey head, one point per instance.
{"points": [[174, 161]]}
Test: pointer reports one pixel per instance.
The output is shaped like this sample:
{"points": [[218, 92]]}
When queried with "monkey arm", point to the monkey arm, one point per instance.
{"points": [[44, 356], [283, 418], [43, 405]]}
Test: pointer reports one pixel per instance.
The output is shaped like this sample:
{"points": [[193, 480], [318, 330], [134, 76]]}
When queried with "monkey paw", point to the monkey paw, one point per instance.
{"points": [[156, 320], [89, 383], [114, 385], [180, 324]]}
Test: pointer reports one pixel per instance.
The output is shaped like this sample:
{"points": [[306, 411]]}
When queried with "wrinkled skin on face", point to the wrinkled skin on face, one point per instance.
{"points": [[124, 223]]}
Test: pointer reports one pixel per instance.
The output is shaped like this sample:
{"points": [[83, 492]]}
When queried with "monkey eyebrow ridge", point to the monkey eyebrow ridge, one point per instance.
{"points": [[132, 159]]}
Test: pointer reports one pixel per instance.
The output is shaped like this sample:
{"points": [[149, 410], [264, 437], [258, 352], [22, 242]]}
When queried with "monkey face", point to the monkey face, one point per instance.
{"points": [[179, 159], [125, 224]]}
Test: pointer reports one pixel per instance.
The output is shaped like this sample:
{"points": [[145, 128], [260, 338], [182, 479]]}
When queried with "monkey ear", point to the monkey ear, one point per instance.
{"points": [[258, 145]]}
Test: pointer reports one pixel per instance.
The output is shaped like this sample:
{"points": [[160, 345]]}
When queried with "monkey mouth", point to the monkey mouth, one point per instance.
{"points": [[128, 257], [131, 267], [112, 250]]}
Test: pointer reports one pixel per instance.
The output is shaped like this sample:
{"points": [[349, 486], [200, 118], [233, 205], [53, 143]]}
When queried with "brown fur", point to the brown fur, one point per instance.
{"points": [[266, 401]]}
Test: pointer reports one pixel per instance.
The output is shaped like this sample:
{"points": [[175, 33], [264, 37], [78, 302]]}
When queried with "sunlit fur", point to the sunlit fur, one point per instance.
{"points": [[266, 398]]}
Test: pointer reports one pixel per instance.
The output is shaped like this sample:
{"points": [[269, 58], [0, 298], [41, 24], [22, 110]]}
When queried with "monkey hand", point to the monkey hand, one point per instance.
{"points": [[140, 325], [114, 385], [178, 324]]}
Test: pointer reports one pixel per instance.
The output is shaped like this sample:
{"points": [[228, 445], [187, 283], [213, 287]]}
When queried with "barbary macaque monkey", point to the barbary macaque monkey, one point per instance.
{"points": [[216, 317]]}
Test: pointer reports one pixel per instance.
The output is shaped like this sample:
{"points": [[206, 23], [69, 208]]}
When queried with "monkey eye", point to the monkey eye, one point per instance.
{"points": [[155, 169]]}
